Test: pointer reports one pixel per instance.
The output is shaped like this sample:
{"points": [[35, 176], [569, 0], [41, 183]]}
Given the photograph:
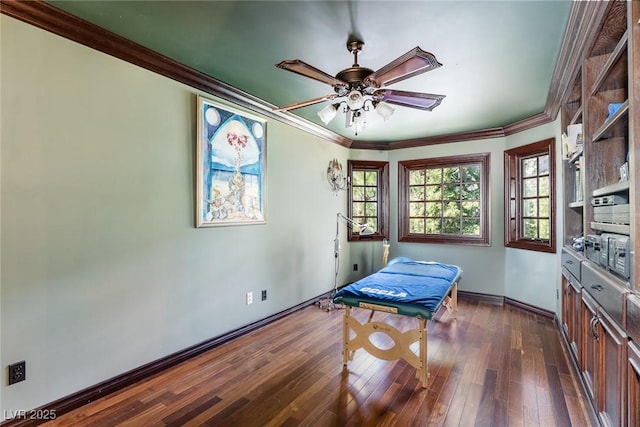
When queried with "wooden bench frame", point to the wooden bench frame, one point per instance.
{"points": [[402, 340]]}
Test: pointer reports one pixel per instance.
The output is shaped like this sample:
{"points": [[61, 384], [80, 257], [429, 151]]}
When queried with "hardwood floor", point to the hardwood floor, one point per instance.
{"points": [[492, 366]]}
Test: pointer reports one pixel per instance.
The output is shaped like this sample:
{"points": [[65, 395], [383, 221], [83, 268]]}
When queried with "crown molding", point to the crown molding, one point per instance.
{"points": [[430, 140], [528, 123]]}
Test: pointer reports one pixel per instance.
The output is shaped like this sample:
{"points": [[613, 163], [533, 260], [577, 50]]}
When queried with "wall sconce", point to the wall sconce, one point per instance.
{"points": [[336, 177]]}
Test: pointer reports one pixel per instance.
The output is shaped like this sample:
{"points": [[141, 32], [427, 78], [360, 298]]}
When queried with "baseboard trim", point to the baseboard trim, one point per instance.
{"points": [[490, 299], [90, 394], [531, 308], [498, 300]]}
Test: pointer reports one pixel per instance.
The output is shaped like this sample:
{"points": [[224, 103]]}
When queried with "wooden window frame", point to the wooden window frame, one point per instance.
{"points": [[404, 167], [382, 168], [513, 193]]}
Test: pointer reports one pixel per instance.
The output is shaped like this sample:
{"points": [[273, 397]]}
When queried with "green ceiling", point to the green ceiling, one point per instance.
{"points": [[498, 56]]}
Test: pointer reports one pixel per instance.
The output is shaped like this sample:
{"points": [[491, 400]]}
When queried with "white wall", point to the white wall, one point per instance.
{"points": [[102, 268]]}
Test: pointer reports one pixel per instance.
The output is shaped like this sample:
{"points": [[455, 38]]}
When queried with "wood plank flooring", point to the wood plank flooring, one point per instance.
{"points": [[492, 366]]}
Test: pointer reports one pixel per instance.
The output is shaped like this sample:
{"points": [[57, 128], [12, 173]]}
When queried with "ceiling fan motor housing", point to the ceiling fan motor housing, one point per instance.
{"points": [[354, 76]]}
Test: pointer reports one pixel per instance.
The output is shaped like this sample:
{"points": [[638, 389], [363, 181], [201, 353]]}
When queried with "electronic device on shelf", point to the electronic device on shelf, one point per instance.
{"points": [[620, 247], [604, 250], [592, 247], [612, 214], [611, 199], [609, 250]]}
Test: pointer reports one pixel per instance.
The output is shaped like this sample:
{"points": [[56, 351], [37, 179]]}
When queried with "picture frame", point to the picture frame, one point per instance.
{"points": [[231, 166]]}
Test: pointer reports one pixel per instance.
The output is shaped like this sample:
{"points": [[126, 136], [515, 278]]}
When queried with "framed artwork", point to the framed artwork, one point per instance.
{"points": [[231, 167]]}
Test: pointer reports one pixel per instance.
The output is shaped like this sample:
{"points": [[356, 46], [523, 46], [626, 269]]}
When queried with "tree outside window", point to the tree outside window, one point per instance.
{"points": [[368, 200], [529, 196], [444, 200]]}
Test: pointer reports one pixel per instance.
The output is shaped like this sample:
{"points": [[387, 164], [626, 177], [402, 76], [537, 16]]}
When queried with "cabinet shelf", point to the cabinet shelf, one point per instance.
{"points": [[575, 156], [610, 65], [577, 116], [579, 204], [611, 228], [611, 189], [615, 126]]}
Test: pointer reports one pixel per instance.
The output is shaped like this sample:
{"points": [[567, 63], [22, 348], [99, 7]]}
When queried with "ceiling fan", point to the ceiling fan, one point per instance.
{"points": [[359, 89]]}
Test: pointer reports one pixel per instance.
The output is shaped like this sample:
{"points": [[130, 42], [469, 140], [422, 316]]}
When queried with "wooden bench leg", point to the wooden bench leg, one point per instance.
{"points": [[423, 374], [345, 335], [451, 301], [454, 300]]}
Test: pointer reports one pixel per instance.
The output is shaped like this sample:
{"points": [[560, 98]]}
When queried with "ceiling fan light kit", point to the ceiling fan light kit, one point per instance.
{"points": [[359, 89], [327, 113], [384, 110], [355, 100]]}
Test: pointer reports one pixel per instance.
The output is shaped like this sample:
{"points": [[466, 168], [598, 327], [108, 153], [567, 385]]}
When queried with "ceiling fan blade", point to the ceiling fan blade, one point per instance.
{"points": [[304, 69], [421, 101], [308, 102], [412, 63]]}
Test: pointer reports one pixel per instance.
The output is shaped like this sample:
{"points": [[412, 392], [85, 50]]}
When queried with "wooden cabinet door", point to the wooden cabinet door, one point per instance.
{"points": [[633, 384], [576, 296], [590, 342], [566, 305], [571, 312], [610, 381]]}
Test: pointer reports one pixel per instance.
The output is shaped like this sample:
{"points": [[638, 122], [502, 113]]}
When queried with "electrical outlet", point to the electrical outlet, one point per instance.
{"points": [[264, 295], [17, 372], [249, 298], [355, 267]]}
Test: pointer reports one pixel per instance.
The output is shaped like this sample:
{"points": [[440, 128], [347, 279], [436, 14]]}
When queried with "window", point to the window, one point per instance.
{"points": [[444, 200], [530, 197], [368, 200]]}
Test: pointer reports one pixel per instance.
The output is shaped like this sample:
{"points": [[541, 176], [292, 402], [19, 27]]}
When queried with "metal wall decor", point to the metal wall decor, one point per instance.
{"points": [[336, 176]]}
